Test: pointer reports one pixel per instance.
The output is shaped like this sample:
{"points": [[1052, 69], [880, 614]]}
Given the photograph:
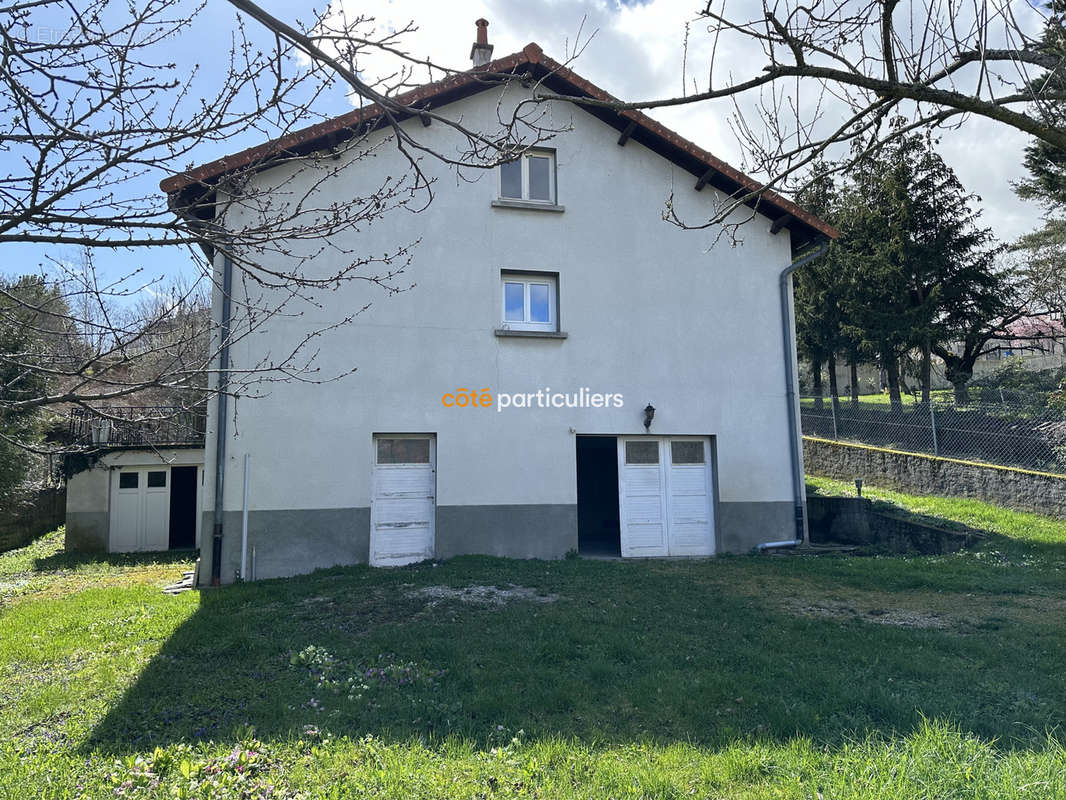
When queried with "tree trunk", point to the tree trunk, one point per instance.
{"points": [[834, 394], [901, 376], [962, 392], [892, 368], [927, 370], [854, 382], [959, 374], [816, 380]]}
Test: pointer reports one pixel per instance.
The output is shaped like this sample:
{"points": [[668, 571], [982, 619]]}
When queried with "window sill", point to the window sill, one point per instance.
{"points": [[531, 334], [528, 205]]}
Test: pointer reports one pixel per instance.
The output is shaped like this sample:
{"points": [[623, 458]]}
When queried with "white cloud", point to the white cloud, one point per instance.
{"points": [[636, 53]]}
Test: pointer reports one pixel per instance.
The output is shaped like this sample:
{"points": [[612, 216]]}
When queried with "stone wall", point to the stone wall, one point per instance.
{"points": [[856, 521], [898, 535], [1020, 489], [39, 514]]}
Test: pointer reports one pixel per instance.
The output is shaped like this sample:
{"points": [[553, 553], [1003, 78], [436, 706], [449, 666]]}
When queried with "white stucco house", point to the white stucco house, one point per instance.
{"points": [[553, 286]]}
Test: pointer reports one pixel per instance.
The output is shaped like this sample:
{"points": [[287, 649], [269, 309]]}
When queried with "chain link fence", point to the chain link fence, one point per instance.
{"points": [[1017, 432]]}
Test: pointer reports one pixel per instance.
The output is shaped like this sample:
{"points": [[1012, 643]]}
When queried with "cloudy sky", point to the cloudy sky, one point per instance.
{"points": [[635, 52]]}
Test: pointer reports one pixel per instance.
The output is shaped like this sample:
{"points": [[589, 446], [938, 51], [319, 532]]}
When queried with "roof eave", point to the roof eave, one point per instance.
{"points": [[803, 226]]}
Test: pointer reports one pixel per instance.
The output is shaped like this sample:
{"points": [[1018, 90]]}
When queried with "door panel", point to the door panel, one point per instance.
{"points": [[689, 500], [156, 523], [665, 507], [140, 510], [640, 498], [403, 505], [125, 512]]}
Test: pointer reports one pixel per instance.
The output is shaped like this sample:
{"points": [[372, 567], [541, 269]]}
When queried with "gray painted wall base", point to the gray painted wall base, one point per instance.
{"points": [[295, 542], [87, 531], [512, 531], [289, 542], [742, 526]]}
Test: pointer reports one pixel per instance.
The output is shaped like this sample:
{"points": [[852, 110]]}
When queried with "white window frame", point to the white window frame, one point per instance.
{"points": [[528, 279], [524, 161]]}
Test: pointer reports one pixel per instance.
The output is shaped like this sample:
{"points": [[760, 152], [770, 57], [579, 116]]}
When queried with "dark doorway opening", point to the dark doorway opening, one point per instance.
{"points": [[598, 530], [182, 508]]}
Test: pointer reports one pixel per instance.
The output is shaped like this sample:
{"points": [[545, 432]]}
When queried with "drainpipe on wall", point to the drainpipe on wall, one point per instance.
{"points": [[799, 487], [244, 521], [220, 438]]}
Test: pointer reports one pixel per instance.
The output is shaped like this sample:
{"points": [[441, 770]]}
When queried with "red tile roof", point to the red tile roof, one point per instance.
{"points": [[474, 79]]}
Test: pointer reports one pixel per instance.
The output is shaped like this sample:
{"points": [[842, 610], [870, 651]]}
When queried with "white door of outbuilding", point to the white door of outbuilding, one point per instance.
{"points": [[665, 496], [140, 510], [403, 504]]}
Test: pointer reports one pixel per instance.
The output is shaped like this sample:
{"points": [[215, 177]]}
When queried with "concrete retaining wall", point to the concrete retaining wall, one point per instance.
{"points": [[854, 521], [1020, 489]]}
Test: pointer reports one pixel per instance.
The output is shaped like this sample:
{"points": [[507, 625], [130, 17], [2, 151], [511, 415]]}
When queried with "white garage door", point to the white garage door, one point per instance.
{"points": [[140, 510], [403, 504], [665, 496]]}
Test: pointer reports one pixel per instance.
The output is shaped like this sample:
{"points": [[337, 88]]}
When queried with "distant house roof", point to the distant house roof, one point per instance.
{"points": [[805, 227]]}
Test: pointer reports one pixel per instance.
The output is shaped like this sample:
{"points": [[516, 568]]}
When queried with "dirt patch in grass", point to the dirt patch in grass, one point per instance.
{"points": [[47, 731], [900, 617], [12, 587], [481, 595], [952, 612]]}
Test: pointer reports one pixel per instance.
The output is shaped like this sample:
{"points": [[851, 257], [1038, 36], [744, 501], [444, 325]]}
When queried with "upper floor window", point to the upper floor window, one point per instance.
{"points": [[529, 302], [529, 177]]}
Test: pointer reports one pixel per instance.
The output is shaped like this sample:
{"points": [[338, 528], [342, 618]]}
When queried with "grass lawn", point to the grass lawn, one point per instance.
{"points": [[736, 677], [882, 398]]}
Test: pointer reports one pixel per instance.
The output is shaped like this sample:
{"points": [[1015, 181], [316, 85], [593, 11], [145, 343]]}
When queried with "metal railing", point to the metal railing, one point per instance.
{"points": [[135, 426], [1028, 434]]}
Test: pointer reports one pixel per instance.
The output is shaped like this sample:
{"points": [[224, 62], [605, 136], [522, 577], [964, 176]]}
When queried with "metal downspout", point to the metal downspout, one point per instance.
{"points": [[220, 438], [798, 484]]}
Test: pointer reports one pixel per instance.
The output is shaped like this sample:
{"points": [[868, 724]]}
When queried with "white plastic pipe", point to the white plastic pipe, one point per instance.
{"points": [[778, 545], [244, 522]]}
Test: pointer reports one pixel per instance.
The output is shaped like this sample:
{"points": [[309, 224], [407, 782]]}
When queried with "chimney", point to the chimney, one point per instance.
{"points": [[481, 51]]}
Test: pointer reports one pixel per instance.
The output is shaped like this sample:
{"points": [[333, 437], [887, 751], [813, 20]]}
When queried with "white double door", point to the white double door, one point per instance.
{"points": [[403, 505], [140, 509], [665, 496]]}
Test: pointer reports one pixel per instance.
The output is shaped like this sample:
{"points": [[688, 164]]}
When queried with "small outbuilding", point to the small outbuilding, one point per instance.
{"points": [[132, 494]]}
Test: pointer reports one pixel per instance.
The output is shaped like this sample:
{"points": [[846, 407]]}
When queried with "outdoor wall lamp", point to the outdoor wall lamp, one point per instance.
{"points": [[649, 415]]}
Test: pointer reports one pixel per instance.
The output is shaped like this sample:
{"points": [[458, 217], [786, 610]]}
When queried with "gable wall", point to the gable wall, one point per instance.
{"points": [[684, 320]]}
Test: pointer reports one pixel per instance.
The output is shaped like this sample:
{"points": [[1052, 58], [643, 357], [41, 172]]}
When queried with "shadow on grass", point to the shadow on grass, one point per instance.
{"points": [[704, 652], [64, 561]]}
